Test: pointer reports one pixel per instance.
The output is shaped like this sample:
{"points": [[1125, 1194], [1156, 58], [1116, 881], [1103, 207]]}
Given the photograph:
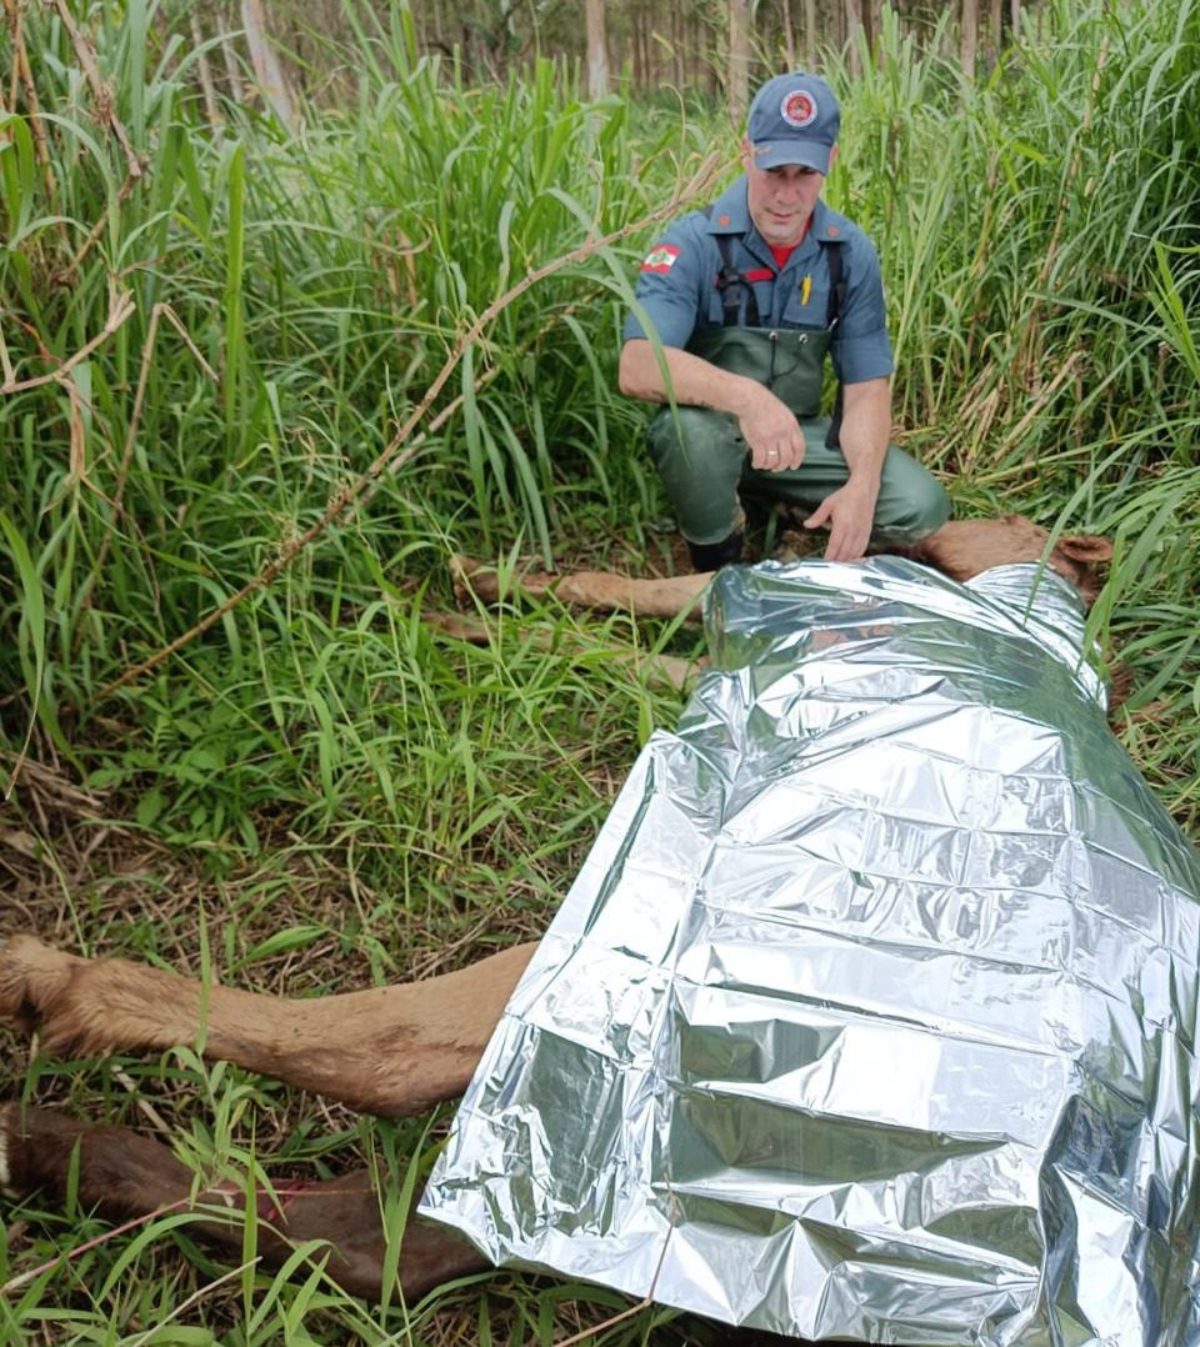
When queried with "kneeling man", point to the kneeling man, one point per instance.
{"points": [[747, 298]]}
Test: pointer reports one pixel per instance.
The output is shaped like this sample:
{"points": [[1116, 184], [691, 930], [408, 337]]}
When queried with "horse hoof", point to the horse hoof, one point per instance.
{"points": [[34, 983]]}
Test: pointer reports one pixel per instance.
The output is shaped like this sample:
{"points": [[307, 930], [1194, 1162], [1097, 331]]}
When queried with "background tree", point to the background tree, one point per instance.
{"points": [[854, 24], [738, 76], [969, 36], [707, 49], [996, 28], [268, 71], [597, 50]]}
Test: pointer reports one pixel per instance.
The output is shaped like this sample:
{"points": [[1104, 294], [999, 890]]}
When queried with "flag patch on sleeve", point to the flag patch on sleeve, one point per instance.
{"points": [[661, 258]]}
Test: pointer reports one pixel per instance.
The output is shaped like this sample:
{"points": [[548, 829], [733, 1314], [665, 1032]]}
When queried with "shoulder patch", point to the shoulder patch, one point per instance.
{"points": [[661, 258]]}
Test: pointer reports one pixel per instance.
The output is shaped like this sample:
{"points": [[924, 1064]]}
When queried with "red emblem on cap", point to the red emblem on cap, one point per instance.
{"points": [[831, 232], [799, 108], [722, 219]]}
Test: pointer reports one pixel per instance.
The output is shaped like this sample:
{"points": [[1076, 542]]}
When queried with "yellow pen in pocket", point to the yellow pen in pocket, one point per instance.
{"points": [[805, 290]]}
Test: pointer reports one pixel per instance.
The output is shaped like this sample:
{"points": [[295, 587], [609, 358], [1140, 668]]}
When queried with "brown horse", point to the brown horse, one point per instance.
{"points": [[393, 1051]]}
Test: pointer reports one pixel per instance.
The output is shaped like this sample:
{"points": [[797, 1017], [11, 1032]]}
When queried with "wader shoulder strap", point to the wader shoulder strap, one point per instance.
{"points": [[837, 284], [837, 301], [730, 284]]}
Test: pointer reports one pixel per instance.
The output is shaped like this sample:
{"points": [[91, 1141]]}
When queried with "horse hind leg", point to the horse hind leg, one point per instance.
{"points": [[122, 1176]]}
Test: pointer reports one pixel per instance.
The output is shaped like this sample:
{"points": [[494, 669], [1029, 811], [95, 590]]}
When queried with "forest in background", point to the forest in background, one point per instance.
{"points": [[259, 382], [708, 50]]}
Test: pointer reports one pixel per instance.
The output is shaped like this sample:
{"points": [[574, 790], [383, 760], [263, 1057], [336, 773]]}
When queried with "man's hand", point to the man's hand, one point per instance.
{"points": [[770, 430], [848, 513]]}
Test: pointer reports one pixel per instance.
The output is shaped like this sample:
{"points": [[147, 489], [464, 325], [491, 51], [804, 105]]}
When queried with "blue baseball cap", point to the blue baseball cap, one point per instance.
{"points": [[794, 119]]}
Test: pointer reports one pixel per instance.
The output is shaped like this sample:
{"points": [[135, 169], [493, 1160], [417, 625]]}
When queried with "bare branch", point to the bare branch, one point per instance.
{"points": [[121, 308]]}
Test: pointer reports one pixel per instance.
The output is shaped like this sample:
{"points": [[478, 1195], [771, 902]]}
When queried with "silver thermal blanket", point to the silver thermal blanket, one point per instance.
{"points": [[872, 1012]]}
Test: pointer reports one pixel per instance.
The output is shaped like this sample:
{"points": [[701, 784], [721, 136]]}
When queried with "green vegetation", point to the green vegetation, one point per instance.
{"points": [[320, 790]]}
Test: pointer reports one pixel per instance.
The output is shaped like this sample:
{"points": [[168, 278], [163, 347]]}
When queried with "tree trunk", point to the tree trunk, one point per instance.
{"points": [[232, 73], [737, 82], [969, 35], [211, 110], [635, 46], [854, 23], [810, 33], [789, 35], [271, 82], [996, 25], [875, 9], [1014, 17], [597, 50], [693, 68]]}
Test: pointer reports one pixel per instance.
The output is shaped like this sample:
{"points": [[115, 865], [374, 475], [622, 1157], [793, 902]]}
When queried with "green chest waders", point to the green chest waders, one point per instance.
{"points": [[701, 455], [788, 361]]}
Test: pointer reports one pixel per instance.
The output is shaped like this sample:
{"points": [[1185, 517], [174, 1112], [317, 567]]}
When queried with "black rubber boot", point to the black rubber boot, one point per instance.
{"points": [[712, 556]]}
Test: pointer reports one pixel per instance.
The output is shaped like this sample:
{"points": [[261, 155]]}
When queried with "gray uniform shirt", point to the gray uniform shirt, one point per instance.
{"points": [[677, 288]]}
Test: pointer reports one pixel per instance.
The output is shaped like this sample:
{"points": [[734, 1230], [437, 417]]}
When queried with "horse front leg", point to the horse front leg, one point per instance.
{"points": [[603, 590], [121, 1175], [391, 1051]]}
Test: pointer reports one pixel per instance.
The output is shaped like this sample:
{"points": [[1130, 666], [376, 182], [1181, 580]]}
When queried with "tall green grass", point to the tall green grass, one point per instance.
{"points": [[1026, 222], [322, 792]]}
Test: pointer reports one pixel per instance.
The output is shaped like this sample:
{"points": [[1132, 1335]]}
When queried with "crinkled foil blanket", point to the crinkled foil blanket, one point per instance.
{"points": [[872, 1012]]}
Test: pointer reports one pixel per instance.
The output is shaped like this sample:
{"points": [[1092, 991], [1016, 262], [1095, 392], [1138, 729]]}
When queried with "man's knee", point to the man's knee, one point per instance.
{"points": [[694, 438], [912, 503], [699, 456]]}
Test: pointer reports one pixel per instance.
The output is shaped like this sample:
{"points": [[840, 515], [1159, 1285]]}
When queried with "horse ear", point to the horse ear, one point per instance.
{"points": [[1086, 547]]}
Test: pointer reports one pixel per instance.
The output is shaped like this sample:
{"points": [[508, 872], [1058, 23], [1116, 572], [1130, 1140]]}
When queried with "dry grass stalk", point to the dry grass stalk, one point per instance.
{"points": [[105, 108], [121, 308]]}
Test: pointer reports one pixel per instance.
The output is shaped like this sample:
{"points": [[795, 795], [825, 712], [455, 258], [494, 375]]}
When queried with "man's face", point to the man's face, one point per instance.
{"points": [[781, 199]]}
